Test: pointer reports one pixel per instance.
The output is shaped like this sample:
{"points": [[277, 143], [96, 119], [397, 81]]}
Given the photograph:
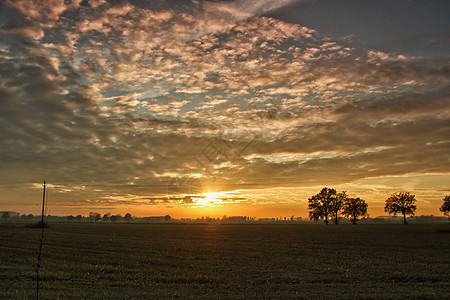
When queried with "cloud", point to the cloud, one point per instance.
{"points": [[244, 8], [99, 96], [38, 10]]}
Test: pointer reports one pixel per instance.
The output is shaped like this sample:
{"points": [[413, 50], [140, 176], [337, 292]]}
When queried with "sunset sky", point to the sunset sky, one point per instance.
{"points": [[212, 108]]}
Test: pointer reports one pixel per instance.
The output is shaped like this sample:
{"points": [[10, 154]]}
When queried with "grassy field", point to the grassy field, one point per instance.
{"points": [[142, 261]]}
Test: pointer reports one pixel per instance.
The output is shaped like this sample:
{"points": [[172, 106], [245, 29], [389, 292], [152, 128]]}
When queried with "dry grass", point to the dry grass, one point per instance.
{"points": [[99, 261]]}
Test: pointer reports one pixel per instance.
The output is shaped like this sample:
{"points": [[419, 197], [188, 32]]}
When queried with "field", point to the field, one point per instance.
{"points": [[142, 261]]}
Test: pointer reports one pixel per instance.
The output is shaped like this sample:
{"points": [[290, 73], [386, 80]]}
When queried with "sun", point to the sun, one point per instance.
{"points": [[207, 198]]}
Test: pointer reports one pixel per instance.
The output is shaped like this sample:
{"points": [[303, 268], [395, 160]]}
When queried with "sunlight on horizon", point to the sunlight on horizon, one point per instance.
{"points": [[243, 107]]}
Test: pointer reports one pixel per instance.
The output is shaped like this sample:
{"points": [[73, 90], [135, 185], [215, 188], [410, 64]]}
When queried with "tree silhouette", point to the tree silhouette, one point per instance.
{"points": [[445, 208], [354, 208], [127, 217], [6, 215], [402, 202], [27, 217], [321, 205], [336, 205], [106, 217], [93, 216], [115, 218]]}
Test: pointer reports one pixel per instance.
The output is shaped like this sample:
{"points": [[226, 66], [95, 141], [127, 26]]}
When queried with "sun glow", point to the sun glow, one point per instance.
{"points": [[207, 199]]}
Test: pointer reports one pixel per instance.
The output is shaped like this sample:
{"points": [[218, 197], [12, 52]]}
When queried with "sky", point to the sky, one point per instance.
{"points": [[211, 108]]}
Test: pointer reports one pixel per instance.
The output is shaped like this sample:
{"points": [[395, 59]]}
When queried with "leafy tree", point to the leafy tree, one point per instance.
{"points": [[127, 217], [106, 217], [70, 218], [93, 216], [354, 208], [115, 218], [79, 217], [402, 202], [6, 215], [336, 205], [168, 218], [445, 208], [321, 205], [27, 217]]}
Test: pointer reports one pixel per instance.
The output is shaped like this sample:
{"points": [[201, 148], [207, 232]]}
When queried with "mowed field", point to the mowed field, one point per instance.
{"points": [[148, 261]]}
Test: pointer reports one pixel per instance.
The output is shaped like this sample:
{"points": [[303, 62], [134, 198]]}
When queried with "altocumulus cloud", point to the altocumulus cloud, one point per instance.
{"points": [[116, 96]]}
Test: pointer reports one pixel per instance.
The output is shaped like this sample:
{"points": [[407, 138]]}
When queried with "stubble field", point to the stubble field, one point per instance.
{"points": [[148, 261]]}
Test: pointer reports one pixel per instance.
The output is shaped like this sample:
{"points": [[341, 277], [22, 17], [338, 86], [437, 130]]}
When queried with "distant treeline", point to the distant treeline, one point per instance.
{"points": [[128, 218], [327, 205]]}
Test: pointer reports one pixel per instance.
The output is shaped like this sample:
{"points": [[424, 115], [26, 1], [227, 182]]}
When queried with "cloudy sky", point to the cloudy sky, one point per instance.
{"points": [[215, 108]]}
